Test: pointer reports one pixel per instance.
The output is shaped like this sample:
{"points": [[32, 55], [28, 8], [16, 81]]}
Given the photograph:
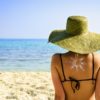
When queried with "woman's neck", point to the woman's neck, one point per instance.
{"points": [[76, 54]]}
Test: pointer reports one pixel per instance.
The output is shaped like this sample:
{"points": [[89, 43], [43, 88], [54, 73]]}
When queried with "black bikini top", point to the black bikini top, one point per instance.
{"points": [[75, 81]]}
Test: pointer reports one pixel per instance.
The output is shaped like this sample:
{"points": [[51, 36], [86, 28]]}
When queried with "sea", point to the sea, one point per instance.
{"points": [[27, 54]]}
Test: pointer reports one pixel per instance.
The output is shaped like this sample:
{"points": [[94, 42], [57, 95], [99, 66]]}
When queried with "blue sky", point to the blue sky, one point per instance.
{"points": [[37, 18]]}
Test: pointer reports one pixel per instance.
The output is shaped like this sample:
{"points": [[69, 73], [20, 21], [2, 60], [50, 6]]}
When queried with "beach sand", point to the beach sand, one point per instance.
{"points": [[26, 86]]}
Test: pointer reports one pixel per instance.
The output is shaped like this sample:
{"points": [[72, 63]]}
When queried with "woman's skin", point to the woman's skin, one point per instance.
{"points": [[56, 78]]}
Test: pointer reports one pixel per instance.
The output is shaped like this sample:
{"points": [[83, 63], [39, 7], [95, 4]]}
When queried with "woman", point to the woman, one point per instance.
{"points": [[76, 74]]}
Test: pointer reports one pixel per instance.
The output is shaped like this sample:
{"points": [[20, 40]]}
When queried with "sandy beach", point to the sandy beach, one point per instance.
{"points": [[26, 86]]}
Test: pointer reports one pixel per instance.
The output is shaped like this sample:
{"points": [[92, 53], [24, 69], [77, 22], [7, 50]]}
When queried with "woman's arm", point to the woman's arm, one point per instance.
{"points": [[97, 91], [59, 92]]}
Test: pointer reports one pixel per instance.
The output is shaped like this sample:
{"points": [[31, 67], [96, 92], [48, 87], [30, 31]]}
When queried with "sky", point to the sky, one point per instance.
{"points": [[37, 18]]}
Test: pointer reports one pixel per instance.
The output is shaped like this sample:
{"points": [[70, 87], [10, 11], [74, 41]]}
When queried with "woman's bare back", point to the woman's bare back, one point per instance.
{"points": [[80, 69]]}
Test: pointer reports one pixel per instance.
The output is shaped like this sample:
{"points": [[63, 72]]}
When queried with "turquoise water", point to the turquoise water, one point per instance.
{"points": [[26, 54]]}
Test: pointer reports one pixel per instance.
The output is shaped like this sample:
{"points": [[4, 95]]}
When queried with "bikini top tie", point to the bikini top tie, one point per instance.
{"points": [[77, 84]]}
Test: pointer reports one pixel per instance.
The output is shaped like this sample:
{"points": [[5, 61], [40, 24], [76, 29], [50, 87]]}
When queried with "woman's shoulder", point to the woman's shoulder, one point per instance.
{"points": [[56, 59], [97, 59], [56, 56], [97, 56]]}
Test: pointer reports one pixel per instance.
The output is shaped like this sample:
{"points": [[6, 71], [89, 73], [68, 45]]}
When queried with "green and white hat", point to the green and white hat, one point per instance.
{"points": [[76, 37]]}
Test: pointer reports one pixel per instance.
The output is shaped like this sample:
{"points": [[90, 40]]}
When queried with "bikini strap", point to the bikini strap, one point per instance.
{"points": [[62, 67], [92, 66]]}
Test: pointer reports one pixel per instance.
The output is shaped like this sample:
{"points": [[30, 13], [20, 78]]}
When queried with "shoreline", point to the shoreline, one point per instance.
{"points": [[26, 85]]}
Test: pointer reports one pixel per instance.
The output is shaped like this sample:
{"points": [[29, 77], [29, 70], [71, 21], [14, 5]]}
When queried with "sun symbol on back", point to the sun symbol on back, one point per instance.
{"points": [[77, 64]]}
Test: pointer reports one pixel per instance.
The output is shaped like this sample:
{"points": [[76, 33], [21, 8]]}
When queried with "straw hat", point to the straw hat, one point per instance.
{"points": [[76, 37]]}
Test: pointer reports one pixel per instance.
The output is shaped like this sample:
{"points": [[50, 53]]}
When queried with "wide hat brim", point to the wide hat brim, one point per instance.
{"points": [[82, 43]]}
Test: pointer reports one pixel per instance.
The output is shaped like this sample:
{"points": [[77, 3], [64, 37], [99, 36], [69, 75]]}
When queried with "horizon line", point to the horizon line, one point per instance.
{"points": [[23, 38]]}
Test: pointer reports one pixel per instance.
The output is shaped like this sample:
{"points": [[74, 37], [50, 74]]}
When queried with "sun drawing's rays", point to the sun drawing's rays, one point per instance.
{"points": [[77, 64]]}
